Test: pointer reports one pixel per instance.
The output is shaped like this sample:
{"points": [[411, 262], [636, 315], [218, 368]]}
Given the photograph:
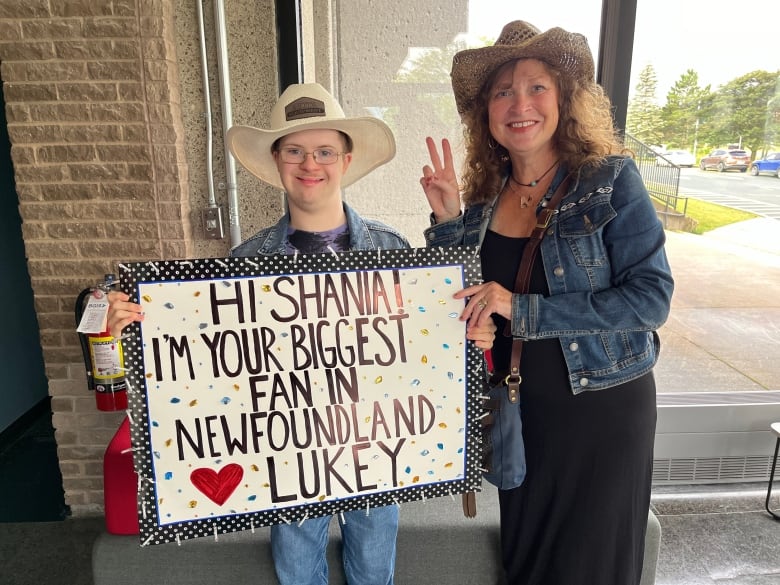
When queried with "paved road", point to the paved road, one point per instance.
{"points": [[759, 195]]}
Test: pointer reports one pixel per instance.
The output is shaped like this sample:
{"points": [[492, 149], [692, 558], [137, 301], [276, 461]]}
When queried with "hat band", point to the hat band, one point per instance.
{"points": [[304, 108]]}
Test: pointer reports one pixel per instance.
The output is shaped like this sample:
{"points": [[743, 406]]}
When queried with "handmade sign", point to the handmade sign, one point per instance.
{"points": [[269, 390]]}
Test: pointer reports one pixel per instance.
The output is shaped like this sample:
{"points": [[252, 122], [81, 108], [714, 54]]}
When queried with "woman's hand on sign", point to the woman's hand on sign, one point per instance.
{"points": [[482, 335], [121, 312], [484, 300]]}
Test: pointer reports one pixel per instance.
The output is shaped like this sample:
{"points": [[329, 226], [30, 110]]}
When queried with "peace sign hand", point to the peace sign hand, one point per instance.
{"points": [[440, 183]]}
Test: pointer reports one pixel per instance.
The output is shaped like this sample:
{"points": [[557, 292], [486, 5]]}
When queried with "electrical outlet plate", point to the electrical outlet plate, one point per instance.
{"points": [[212, 223]]}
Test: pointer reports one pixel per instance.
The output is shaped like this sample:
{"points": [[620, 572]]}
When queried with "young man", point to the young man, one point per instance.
{"points": [[312, 151]]}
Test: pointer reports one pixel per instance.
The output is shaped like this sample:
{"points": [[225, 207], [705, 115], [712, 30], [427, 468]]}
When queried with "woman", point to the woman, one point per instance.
{"points": [[600, 287]]}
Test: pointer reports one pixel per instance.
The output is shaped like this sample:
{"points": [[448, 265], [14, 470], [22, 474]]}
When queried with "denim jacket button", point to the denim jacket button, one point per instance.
{"points": [[550, 231], [431, 236], [574, 346], [583, 381], [558, 271]]}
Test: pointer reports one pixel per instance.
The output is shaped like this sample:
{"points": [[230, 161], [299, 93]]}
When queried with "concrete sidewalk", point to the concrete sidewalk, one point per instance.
{"points": [[723, 333]]}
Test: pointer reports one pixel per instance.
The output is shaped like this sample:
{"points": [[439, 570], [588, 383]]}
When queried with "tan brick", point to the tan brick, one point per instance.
{"points": [[131, 92], [152, 26], [123, 152], [10, 31], [68, 436], [26, 9], [29, 92], [163, 134], [90, 8], [61, 404], [66, 153], [27, 51], [92, 133], [71, 191], [110, 27], [45, 304], [158, 70], [51, 338], [140, 172], [135, 230], [55, 71], [154, 7], [160, 114], [18, 113], [68, 468], [28, 133], [130, 191], [93, 468], [64, 353], [85, 483], [53, 250], [41, 173], [60, 112], [75, 231], [33, 231], [114, 70], [169, 192], [90, 50], [87, 92], [118, 112], [134, 133], [28, 192], [23, 155], [74, 500], [43, 28], [54, 371], [98, 172]]}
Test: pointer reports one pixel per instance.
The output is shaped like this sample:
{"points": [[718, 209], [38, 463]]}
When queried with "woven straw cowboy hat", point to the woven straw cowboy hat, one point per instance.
{"points": [[308, 106], [565, 52]]}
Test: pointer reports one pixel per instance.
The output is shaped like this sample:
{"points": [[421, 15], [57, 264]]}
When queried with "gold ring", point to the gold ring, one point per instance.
{"points": [[481, 303]]}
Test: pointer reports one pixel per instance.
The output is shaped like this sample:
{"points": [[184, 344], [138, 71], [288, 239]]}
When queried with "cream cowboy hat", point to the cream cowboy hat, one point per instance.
{"points": [[565, 52], [307, 106]]}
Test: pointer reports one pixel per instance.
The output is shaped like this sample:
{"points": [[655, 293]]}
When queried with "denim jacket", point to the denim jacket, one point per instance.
{"points": [[609, 280], [364, 234]]}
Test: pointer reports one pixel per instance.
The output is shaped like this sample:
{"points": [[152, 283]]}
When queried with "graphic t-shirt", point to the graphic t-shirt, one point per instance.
{"points": [[317, 242]]}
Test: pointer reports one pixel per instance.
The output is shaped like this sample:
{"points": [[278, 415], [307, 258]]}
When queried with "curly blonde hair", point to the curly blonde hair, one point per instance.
{"points": [[585, 135]]}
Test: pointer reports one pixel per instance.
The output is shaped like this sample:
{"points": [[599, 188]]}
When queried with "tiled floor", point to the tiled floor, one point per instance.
{"points": [[717, 535]]}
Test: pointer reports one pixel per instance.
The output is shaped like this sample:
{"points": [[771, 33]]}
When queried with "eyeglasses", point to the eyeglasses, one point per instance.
{"points": [[296, 156]]}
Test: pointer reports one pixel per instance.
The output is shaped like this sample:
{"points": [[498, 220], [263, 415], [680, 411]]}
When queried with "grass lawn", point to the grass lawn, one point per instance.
{"points": [[709, 216]]}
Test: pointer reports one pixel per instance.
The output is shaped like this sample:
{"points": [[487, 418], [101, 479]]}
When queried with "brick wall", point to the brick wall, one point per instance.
{"points": [[94, 117]]}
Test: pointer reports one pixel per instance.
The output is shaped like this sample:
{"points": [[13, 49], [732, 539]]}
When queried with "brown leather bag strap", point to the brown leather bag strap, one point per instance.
{"points": [[523, 280]]}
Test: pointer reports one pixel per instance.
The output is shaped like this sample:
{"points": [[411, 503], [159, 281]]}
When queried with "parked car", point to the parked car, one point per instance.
{"points": [[680, 158], [725, 160], [769, 164]]}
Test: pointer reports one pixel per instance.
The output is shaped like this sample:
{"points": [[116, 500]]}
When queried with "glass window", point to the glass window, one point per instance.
{"points": [[393, 61]]}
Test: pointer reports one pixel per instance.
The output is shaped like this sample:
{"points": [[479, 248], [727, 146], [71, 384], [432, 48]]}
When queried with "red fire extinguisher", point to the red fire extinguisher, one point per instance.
{"points": [[103, 355]]}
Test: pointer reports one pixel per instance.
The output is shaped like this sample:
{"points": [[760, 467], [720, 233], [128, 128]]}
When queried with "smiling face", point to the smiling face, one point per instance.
{"points": [[523, 108], [313, 188]]}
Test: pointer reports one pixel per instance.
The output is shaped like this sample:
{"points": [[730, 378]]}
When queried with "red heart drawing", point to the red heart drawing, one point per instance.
{"points": [[217, 486]]}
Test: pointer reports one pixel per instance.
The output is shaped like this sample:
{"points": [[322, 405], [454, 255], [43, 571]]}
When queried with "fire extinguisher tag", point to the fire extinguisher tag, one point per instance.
{"points": [[93, 320]]}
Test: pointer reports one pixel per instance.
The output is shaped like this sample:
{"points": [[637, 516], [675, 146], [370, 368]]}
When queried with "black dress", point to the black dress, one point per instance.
{"points": [[581, 514]]}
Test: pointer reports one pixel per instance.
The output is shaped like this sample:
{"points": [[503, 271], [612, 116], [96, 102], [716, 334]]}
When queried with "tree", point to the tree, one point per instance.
{"points": [[430, 70], [681, 112], [742, 111], [643, 119]]}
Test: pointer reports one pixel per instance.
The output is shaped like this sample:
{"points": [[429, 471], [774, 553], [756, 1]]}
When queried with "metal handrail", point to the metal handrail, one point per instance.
{"points": [[661, 181]]}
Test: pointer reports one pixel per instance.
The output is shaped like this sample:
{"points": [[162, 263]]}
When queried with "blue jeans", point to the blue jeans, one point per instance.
{"points": [[368, 548]]}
